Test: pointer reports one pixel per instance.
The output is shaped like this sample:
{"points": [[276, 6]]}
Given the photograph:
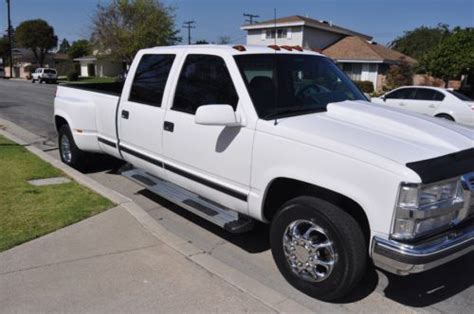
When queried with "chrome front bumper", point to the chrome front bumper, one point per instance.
{"points": [[403, 259]]}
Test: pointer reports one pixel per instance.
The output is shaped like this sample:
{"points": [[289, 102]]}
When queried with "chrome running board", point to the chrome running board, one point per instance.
{"points": [[222, 216]]}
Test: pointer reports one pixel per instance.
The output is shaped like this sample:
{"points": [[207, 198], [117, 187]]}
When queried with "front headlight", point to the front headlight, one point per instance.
{"points": [[423, 209]]}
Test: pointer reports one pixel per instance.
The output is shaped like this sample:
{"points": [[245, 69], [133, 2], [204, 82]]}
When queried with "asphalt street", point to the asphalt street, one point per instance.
{"points": [[447, 289]]}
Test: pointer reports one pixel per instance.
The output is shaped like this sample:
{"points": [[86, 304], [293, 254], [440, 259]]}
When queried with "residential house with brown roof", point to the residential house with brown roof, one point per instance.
{"points": [[360, 57]]}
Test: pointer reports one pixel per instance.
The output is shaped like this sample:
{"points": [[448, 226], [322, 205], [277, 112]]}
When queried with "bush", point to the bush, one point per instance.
{"points": [[365, 86], [399, 75], [73, 76]]}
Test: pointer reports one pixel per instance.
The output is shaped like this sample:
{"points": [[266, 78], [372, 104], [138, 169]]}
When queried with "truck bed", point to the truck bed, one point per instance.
{"points": [[114, 88]]}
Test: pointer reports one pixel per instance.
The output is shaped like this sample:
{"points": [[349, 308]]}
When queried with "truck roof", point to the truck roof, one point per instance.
{"points": [[233, 49]]}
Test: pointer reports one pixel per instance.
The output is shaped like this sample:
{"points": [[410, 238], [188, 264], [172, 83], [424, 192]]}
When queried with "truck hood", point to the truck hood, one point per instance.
{"points": [[367, 132]]}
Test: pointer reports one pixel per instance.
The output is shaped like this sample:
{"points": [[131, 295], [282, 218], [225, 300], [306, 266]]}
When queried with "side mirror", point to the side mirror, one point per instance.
{"points": [[384, 97], [216, 115]]}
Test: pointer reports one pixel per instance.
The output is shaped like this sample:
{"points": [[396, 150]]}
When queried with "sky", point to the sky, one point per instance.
{"points": [[382, 19]]}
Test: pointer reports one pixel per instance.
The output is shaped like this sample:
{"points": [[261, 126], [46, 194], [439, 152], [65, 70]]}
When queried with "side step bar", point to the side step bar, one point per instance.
{"points": [[222, 216]]}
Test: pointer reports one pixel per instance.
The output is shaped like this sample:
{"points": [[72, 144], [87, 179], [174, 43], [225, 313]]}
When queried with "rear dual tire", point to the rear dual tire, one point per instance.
{"points": [[330, 260], [70, 154]]}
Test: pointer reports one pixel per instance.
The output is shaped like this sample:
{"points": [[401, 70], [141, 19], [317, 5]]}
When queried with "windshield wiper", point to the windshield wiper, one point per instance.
{"points": [[290, 111]]}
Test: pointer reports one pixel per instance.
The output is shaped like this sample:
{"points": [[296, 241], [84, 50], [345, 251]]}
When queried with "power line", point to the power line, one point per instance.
{"points": [[189, 25], [250, 18]]}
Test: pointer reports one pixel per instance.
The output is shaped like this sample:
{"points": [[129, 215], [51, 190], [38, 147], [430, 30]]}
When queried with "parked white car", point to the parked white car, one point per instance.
{"points": [[283, 136], [46, 75], [433, 101]]}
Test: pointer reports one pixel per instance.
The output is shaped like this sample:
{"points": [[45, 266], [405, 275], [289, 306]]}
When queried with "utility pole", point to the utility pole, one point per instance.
{"points": [[250, 18], [189, 25], [10, 38]]}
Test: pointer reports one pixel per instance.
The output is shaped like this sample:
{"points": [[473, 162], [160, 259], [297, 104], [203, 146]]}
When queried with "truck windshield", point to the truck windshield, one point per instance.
{"points": [[290, 84]]}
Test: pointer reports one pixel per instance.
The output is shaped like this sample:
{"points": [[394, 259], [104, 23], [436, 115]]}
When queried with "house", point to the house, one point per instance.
{"points": [[364, 60], [100, 67], [356, 53], [24, 63]]}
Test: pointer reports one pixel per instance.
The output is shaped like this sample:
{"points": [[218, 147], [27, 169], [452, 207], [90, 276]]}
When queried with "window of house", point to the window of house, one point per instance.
{"points": [[279, 33], [353, 70], [204, 80], [150, 79]]}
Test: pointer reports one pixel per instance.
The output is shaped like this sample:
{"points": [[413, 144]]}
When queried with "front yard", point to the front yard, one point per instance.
{"points": [[28, 211]]}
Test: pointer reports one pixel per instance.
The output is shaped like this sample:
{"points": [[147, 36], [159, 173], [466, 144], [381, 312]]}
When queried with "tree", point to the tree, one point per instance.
{"points": [[80, 48], [453, 57], [38, 36], [64, 46], [416, 43], [4, 49], [223, 40], [123, 27], [202, 42], [399, 74]]}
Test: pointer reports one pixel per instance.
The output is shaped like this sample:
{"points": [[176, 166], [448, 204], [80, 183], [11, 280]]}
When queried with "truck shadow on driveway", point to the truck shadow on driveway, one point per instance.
{"points": [[418, 290]]}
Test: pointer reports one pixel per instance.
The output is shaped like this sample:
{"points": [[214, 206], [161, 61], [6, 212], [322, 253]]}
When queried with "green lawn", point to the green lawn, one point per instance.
{"points": [[27, 211], [90, 80]]}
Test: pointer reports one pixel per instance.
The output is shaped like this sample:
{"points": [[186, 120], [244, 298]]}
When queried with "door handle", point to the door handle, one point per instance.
{"points": [[125, 114], [402, 104], [168, 126], [432, 106]]}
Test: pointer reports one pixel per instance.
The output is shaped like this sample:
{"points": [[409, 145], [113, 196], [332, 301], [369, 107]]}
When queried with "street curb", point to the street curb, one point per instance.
{"points": [[239, 280]]}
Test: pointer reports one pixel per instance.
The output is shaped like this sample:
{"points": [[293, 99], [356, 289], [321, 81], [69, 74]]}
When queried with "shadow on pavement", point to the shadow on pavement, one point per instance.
{"points": [[100, 163], [255, 241], [433, 286]]}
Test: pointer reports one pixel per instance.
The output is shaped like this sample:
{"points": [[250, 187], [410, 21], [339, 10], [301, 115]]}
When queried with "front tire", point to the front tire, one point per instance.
{"points": [[318, 247], [70, 154]]}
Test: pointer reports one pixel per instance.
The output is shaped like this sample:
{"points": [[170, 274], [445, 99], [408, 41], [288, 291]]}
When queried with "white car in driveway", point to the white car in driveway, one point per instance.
{"points": [[434, 101], [44, 75]]}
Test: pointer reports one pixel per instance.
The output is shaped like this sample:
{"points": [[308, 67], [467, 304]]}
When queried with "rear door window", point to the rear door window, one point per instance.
{"points": [[204, 80], [150, 79], [424, 94]]}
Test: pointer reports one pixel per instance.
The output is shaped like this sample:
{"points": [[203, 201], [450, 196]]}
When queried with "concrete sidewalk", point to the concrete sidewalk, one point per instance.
{"points": [[110, 263]]}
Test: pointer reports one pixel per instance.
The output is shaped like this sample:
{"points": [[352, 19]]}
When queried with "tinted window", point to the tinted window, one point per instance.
{"points": [[204, 80], [404, 93], [398, 94], [150, 79], [424, 94], [438, 96], [49, 71]]}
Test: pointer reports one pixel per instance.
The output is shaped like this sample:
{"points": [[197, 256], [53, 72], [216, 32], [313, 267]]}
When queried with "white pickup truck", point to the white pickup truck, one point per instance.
{"points": [[281, 135]]}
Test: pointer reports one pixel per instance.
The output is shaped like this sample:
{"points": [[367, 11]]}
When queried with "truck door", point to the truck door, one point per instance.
{"points": [[141, 113], [212, 161]]}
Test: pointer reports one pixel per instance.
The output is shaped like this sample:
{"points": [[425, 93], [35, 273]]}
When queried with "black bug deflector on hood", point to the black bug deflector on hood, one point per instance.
{"points": [[444, 167]]}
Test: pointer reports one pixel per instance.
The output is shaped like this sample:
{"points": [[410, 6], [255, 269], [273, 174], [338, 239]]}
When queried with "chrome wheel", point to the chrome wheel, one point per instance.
{"points": [[309, 251], [66, 153]]}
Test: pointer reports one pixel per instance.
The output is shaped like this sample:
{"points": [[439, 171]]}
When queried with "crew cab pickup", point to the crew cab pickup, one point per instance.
{"points": [[282, 136]]}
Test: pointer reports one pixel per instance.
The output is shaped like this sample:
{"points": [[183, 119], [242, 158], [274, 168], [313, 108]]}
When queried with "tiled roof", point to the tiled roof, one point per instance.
{"points": [[307, 22], [356, 48]]}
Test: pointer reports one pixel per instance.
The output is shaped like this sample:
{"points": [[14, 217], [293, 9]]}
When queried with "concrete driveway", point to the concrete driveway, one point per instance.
{"points": [[446, 289]]}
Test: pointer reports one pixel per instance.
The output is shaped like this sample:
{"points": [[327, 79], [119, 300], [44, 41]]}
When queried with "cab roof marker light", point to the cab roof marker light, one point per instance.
{"points": [[286, 47], [274, 47], [239, 48], [297, 48]]}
